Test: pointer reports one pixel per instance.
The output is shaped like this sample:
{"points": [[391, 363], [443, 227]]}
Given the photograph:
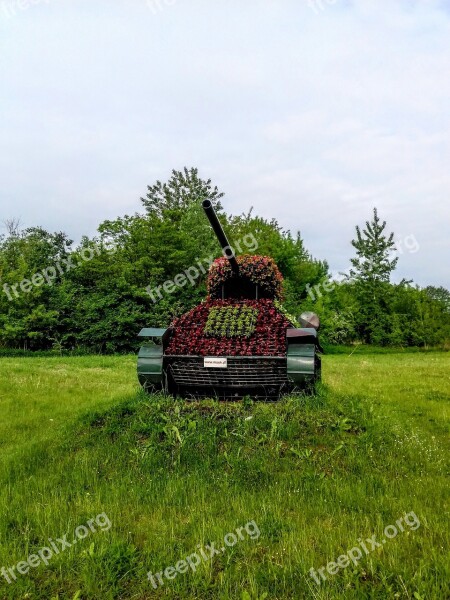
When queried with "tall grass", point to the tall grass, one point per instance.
{"points": [[315, 473]]}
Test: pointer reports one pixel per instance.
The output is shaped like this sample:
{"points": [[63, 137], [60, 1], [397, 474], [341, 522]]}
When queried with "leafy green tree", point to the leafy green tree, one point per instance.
{"points": [[337, 310], [29, 314], [441, 294], [175, 196]]}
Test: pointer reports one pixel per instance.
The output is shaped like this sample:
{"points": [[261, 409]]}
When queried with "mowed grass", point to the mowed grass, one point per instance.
{"points": [[315, 474], [39, 395]]}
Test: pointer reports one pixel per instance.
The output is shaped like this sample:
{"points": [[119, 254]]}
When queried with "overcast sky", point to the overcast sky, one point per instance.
{"points": [[311, 112]]}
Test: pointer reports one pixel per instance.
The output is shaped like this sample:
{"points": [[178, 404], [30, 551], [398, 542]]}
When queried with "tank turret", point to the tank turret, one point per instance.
{"points": [[243, 277]]}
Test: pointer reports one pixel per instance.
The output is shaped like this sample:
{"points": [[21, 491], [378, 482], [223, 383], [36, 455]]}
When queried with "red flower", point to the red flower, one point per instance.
{"points": [[260, 270], [268, 339]]}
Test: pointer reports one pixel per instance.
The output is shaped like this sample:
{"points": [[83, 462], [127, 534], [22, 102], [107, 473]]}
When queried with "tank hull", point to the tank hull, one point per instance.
{"points": [[259, 377]]}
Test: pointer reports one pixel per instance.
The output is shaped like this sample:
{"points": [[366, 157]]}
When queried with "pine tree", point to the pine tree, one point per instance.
{"points": [[373, 249], [372, 268]]}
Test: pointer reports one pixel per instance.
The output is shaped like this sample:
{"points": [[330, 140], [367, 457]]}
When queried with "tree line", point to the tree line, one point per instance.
{"points": [[96, 296]]}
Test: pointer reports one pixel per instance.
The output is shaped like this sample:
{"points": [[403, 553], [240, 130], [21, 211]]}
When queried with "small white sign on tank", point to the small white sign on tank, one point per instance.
{"points": [[215, 362]]}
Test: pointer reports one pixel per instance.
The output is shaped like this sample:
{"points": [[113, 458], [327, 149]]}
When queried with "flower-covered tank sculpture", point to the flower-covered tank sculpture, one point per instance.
{"points": [[239, 341]]}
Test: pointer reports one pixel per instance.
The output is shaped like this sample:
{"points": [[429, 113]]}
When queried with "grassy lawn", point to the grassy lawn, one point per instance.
{"points": [[282, 487], [38, 396]]}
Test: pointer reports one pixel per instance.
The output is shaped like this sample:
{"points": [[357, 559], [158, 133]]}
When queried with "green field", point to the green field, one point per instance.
{"points": [[306, 479]]}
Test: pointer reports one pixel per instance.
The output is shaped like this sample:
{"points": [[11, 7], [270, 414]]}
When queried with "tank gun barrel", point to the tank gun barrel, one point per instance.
{"points": [[220, 234]]}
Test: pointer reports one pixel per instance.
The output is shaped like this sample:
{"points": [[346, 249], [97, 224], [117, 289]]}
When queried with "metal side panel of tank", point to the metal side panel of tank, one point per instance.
{"points": [[150, 360], [302, 364], [150, 366]]}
